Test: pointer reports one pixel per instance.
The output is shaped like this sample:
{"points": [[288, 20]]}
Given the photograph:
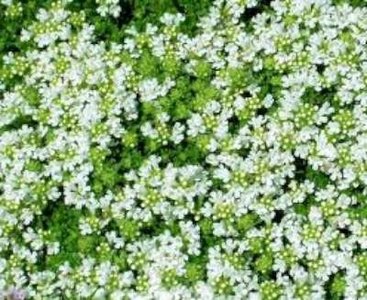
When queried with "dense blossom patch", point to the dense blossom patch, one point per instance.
{"points": [[227, 163]]}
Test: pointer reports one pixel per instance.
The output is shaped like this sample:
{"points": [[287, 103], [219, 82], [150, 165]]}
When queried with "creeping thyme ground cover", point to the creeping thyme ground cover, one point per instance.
{"points": [[183, 149]]}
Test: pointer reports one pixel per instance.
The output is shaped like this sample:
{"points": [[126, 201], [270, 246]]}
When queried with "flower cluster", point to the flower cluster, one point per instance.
{"points": [[108, 7], [228, 163]]}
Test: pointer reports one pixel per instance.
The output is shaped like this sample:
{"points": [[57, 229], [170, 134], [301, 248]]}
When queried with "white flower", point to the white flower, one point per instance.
{"points": [[53, 248], [195, 125], [172, 19], [177, 135], [315, 216]]}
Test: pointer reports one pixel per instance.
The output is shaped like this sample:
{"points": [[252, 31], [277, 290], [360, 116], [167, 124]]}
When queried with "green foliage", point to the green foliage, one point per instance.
{"points": [[246, 222], [338, 286], [148, 65], [320, 179], [148, 11], [106, 176], [62, 223], [195, 269], [355, 3], [129, 229], [264, 263]]}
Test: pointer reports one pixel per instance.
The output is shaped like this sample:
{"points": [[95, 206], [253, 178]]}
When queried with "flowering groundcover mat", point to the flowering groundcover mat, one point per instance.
{"points": [[183, 149]]}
